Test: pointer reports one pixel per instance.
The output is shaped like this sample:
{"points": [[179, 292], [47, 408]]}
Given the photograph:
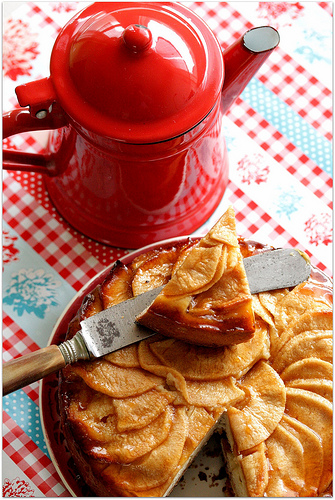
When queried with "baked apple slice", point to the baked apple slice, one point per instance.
{"points": [[315, 412], [308, 368], [254, 418], [312, 446]]}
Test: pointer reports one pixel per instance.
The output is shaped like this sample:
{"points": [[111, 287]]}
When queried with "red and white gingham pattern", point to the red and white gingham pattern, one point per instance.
{"points": [[47, 236], [258, 225], [45, 20], [15, 342], [28, 210], [300, 90], [34, 185], [223, 19], [30, 459], [282, 150]]}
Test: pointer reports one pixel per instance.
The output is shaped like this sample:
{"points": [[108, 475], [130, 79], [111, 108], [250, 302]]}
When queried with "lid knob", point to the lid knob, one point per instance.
{"points": [[137, 37]]}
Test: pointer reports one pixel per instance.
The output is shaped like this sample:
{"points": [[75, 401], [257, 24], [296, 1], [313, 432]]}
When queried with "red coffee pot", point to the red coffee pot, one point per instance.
{"points": [[135, 100]]}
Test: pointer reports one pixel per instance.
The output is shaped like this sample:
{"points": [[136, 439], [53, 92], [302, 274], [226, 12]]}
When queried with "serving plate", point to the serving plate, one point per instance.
{"points": [[206, 475]]}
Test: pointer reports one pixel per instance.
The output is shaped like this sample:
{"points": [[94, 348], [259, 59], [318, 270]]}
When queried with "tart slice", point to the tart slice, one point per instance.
{"points": [[207, 300]]}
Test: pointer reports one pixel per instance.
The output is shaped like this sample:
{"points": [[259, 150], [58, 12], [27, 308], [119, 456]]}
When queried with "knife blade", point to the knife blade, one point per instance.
{"points": [[115, 327]]}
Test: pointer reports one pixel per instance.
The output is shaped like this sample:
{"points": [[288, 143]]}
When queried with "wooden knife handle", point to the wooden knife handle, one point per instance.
{"points": [[27, 369]]}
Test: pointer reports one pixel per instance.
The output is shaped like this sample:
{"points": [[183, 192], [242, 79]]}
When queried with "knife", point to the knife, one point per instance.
{"points": [[115, 327]]}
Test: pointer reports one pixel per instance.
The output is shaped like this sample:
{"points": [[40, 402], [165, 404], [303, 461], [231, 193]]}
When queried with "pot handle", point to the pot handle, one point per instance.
{"points": [[44, 114]]}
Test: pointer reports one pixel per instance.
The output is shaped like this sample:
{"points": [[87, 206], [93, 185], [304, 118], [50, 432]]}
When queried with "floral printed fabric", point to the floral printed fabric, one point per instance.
{"points": [[19, 49], [17, 488]]}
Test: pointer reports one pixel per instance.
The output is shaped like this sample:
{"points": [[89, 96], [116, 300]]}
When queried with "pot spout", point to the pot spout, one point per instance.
{"points": [[243, 59]]}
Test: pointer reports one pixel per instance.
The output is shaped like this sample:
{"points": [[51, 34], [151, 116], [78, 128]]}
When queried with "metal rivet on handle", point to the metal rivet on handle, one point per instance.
{"points": [[41, 114]]}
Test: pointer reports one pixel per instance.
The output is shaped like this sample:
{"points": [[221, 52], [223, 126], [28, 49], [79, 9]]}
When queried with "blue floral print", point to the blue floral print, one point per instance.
{"points": [[288, 202], [32, 291]]}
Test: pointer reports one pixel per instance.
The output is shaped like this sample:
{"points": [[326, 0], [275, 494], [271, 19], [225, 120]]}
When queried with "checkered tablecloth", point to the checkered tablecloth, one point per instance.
{"points": [[278, 134]]}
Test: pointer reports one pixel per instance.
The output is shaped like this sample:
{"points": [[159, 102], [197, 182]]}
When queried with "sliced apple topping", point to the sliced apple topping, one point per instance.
{"points": [[207, 363], [287, 470], [96, 406], [185, 250], [315, 412], [308, 344], [255, 418], [125, 358], [308, 368], [105, 442], [115, 381], [271, 300], [201, 269], [312, 454], [155, 271], [92, 304], [215, 393], [265, 305], [152, 364], [212, 393], [294, 304], [137, 412], [153, 469], [322, 387], [200, 422], [128, 446], [116, 287], [309, 321], [136, 418], [262, 311]]}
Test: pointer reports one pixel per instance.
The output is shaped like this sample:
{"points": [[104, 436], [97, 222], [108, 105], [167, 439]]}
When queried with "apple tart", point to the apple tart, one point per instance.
{"points": [[134, 419]]}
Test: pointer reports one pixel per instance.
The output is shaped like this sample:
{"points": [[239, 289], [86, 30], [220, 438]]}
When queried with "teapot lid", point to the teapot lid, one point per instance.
{"points": [[137, 72]]}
